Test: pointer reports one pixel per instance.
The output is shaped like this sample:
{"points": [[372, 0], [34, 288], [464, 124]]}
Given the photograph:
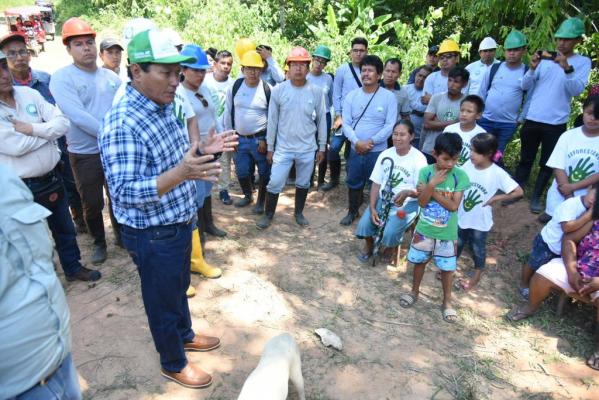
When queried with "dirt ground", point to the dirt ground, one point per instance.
{"points": [[296, 280]]}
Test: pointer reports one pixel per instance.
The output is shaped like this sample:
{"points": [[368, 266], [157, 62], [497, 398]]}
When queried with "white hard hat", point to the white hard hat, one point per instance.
{"points": [[487, 43], [173, 36], [135, 26]]}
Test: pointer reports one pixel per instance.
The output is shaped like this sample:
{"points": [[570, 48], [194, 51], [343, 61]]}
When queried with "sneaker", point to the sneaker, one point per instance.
{"points": [[85, 275], [224, 197]]}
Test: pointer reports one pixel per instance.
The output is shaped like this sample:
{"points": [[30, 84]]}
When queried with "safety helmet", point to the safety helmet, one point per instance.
{"points": [[173, 36], [515, 39], [75, 27], [251, 58], [135, 26], [298, 54], [448, 46], [487, 43], [195, 51], [243, 45], [323, 52], [571, 28]]}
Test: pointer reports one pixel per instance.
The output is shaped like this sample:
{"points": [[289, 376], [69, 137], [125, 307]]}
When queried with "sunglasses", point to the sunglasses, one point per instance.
{"points": [[446, 56], [202, 99]]}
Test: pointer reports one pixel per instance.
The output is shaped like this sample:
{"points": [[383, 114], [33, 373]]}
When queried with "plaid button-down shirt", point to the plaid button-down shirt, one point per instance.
{"points": [[139, 140]]}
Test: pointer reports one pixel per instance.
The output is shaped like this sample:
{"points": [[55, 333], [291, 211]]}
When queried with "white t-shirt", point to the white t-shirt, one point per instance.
{"points": [[219, 94], [578, 156], [466, 137], [405, 170], [484, 184], [569, 210], [206, 116]]}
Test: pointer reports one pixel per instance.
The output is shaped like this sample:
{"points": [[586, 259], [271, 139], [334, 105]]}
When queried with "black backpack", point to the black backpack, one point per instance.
{"points": [[236, 87], [493, 71]]}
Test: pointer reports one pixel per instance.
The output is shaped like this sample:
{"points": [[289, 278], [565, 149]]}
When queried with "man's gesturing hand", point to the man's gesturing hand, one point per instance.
{"points": [[194, 167]]}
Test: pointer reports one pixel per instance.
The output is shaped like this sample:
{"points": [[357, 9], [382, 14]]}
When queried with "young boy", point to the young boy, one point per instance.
{"points": [[440, 190], [475, 216], [471, 109], [568, 217]]}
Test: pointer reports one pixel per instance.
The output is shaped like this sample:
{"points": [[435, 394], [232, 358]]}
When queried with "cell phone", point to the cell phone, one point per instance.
{"points": [[216, 155], [263, 46], [547, 55]]}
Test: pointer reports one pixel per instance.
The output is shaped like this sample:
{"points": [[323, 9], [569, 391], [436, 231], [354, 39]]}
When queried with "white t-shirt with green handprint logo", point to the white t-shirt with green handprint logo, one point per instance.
{"points": [[484, 184], [578, 156], [405, 170], [466, 138]]}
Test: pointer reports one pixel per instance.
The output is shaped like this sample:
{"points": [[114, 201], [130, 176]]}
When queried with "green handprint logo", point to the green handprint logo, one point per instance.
{"points": [[395, 179], [583, 168], [471, 200], [464, 156]]}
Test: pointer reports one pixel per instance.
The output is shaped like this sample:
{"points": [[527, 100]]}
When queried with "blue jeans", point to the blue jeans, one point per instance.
{"points": [[335, 147], [281, 165], [64, 234], [247, 156], [63, 385], [503, 131], [478, 243], [359, 168], [162, 255], [203, 190], [66, 172], [395, 227]]}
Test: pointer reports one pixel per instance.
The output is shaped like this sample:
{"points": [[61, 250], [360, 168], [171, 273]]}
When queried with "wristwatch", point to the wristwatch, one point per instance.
{"points": [[569, 70]]}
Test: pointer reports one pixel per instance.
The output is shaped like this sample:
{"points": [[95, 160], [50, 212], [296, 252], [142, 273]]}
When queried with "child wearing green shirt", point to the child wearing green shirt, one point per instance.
{"points": [[440, 190]]}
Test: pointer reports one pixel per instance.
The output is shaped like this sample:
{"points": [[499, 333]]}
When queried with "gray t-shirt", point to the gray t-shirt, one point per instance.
{"points": [[295, 116], [251, 109], [325, 82], [445, 109]]}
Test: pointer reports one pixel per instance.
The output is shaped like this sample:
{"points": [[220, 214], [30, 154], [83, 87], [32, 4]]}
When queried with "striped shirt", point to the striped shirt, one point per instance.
{"points": [[139, 140]]}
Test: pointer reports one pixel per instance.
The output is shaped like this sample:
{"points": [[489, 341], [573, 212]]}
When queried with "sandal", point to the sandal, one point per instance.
{"points": [[593, 361], [517, 314], [407, 300], [363, 257], [450, 315], [461, 285], [524, 292]]}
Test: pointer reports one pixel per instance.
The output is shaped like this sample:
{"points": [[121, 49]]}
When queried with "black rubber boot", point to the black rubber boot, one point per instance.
{"points": [[211, 229], [259, 208], [541, 183], [322, 171], [300, 202], [335, 167], [355, 200], [246, 188], [201, 227], [269, 210]]}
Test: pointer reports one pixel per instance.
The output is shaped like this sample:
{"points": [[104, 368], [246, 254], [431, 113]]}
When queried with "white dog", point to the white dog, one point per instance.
{"points": [[279, 363]]}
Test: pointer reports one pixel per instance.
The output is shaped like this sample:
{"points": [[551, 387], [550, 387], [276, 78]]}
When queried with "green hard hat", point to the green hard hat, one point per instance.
{"points": [[514, 40], [571, 28], [322, 51]]}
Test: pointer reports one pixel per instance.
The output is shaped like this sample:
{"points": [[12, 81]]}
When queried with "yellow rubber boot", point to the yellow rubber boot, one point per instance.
{"points": [[191, 291], [198, 264]]}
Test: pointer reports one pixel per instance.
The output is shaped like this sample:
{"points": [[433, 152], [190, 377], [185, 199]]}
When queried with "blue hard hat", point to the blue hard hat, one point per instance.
{"points": [[195, 51]]}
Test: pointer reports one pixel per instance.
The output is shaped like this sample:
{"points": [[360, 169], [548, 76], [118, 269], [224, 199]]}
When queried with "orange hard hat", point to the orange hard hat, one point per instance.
{"points": [[75, 27], [298, 54]]}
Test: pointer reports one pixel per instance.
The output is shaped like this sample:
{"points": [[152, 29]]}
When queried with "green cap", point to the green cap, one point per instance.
{"points": [[571, 28], [514, 40], [322, 51], [152, 46]]}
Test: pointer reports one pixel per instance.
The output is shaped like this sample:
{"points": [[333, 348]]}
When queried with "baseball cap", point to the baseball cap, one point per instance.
{"points": [[108, 43], [153, 46], [12, 37], [433, 49]]}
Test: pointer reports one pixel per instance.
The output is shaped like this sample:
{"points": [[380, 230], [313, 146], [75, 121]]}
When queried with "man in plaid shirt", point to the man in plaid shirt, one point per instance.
{"points": [[149, 164]]}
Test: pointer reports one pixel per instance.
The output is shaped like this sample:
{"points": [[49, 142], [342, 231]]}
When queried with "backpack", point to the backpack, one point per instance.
{"points": [[493, 71], [236, 87]]}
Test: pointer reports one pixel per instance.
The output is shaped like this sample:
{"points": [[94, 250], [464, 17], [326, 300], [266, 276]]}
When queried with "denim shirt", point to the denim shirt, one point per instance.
{"points": [[39, 81]]}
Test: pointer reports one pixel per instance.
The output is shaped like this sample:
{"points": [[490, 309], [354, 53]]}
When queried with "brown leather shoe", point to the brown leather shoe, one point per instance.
{"points": [[191, 377], [202, 343]]}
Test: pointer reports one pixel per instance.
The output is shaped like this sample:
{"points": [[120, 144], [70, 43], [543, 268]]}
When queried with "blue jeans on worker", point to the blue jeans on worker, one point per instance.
{"points": [[281, 165], [247, 156], [162, 255], [63, 232], [67, 175], [503, 131], [477, 240], [203, 190], [62, 385], [395, 227], [335, 147], [359, 168]]}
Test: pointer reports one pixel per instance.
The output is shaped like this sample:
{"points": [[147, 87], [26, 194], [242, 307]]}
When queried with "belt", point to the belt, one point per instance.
{"points": [[40, 179], [418, 113], [256, 135]]}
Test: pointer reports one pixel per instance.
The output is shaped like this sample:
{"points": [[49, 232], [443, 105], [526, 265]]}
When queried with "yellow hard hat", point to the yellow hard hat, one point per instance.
{"points": [[251, 58], [243, 45], [448, 46]]}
